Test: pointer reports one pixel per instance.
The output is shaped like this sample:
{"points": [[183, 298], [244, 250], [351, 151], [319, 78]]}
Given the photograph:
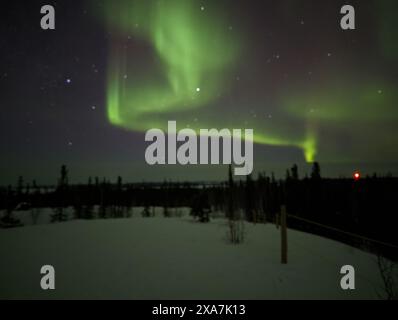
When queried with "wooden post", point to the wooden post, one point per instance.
{"points": [[277, 220], [283, 235]]}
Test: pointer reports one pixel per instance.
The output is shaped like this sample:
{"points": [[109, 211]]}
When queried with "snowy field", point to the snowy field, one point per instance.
{"points": [[176, 258]]}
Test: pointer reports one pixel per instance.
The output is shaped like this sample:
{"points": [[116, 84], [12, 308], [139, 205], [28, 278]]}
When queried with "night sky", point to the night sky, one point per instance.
{"points": [[85, 94]]}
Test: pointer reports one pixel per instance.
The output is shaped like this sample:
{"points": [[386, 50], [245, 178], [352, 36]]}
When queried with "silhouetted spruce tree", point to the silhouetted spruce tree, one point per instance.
{"points": [[316, 171], [84, 207], [20, 185], [146, 213], [10, 205], [288, 176], [230, 210], [274, 205], [63, 180], [166, 191], [293, 190], [103, 207], [200, 208], [195, 207], [27, 190], [205, 209], [249, 199], [166, 210], [61, 195], [316, 203], [235, 232], [34, 185], [117, 205], [295, 174], [263, 194], [77, 204]]}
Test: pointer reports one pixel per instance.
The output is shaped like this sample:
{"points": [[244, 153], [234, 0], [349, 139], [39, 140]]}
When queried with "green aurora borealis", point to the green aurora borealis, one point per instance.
{"points": [[195, 56], [85, 94], [192, 62]]}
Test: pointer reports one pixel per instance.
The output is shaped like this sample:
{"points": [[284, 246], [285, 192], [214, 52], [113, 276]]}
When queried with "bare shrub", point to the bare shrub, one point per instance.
{"points": [[35, 213], [389, 274], [236, 230]]}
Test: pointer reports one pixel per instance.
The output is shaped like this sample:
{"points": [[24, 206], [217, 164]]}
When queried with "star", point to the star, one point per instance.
{"points": [[94, 67], [68, 81]]}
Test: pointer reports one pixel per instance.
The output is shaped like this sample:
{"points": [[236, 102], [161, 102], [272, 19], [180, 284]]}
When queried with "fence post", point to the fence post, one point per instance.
{"points": [[277, 220], [283, 224]]}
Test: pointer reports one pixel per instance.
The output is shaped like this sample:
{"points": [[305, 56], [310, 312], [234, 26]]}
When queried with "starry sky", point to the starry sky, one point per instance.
{"points": [[85, 94]]}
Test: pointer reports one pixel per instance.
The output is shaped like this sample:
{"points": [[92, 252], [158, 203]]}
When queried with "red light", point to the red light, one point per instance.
{"points": [[357, 176]]}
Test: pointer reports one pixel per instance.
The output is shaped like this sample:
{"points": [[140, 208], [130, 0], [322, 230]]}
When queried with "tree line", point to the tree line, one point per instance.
{"points": [[366, 206]]}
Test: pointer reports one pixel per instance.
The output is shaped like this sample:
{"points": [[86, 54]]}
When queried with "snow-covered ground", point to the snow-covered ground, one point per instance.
{"points": [[176, 258]]}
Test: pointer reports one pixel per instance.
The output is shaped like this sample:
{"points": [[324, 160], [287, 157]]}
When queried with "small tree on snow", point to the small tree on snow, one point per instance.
{"points": [[236, 230], [389, 274], [201, 208], [61, 193]]}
